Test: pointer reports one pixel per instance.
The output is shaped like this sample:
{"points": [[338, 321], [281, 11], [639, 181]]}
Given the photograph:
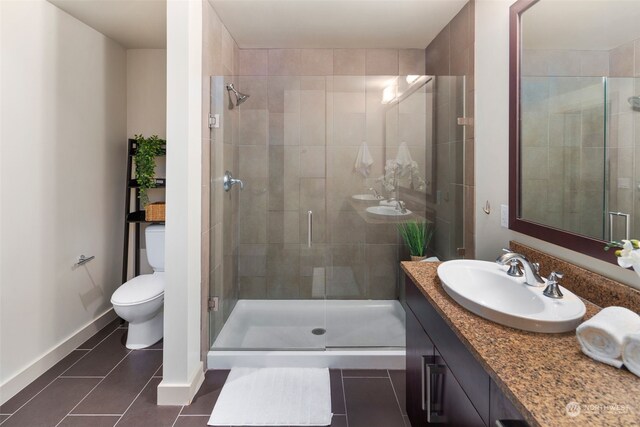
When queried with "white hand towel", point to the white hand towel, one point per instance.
{"points": [[602, 336], [364, 160], [403, 159], [631, 353]]}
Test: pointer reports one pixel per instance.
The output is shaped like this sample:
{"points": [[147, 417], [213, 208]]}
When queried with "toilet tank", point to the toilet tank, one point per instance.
{"points": [[154, 238]]}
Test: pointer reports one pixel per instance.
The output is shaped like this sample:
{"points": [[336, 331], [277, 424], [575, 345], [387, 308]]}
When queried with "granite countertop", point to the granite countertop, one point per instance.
{"points": [[540, 373]]}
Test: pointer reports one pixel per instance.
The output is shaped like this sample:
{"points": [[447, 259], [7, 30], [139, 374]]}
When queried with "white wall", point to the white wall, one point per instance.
{"points": [[62, 176], [492, 144], [147, 92], [182, 367]]}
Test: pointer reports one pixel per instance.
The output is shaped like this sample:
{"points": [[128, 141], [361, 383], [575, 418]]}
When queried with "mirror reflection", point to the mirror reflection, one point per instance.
{"points": [[579, 107]]}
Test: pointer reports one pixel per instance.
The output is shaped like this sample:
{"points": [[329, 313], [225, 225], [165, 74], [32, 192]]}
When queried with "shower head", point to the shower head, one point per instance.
{"points": [[240, 97], [635, 102]]}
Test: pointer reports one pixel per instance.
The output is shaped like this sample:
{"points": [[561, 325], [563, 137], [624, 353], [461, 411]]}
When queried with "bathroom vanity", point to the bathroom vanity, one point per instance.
{"points": [[463, 370]]}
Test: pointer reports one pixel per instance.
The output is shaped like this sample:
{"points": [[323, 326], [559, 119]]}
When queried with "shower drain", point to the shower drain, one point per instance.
{"points": [[318, 331]]}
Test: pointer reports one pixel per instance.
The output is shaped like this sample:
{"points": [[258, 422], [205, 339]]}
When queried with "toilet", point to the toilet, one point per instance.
{"points": [[140, 301]]}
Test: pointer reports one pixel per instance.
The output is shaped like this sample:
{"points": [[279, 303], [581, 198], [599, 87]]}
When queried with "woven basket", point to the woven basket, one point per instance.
{"points": [[154, 212]]}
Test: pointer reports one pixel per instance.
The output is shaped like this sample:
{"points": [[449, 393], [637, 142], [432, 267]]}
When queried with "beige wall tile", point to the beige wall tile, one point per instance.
{"points": [[253, 162], [284, 62], [381, 62], [594, 63], [253, 62], [256, 88], [411, 62], [253, 127], [316, 62], [621, 61], [313, 160], [228, 59], [636, 67], [253, 287], [349, 62], [252, 260]]}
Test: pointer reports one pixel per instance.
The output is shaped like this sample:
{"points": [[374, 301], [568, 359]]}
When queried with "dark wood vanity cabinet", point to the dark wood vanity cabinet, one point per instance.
{"points": [[445, 383]]}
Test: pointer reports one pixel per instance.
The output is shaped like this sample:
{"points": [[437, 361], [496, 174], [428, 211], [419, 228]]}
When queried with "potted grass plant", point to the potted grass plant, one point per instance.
{"points": [[416, 235]]}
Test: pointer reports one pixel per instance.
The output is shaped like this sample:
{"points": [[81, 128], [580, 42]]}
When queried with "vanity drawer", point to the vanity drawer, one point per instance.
{"points": [[465, 368]]}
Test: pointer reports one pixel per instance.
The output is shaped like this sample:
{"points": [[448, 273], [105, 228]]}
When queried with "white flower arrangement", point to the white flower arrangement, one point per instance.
{"points": [[393, 171], [627, 253]]}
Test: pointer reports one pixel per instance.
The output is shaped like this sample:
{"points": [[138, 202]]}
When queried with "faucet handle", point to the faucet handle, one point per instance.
{"points": [[514, 268], [553, 288], [555, 276], [506, 250]]}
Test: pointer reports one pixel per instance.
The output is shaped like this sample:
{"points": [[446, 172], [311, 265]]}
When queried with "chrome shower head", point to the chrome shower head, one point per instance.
{"points": [[635, 102], [240, 97]]}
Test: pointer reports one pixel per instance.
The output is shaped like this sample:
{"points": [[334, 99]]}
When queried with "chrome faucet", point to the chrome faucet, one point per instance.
{"points": [[531, 275], [375, 193], [400, 206]]}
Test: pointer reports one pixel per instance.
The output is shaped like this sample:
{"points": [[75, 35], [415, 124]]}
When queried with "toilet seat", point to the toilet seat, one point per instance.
{"points": [[140, 289]]}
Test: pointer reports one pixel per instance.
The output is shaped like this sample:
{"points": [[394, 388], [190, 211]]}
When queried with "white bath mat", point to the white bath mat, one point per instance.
{"points": [[274, 396]]}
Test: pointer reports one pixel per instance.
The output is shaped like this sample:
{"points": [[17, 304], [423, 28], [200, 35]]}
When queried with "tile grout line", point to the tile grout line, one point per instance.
{"points": [[89, 351], [176, 420], [86, 352], [396, 395], [93, 415], [135, 398], [344, 399], [96, 386]]}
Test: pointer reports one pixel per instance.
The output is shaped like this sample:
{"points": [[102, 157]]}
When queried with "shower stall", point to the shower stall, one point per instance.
{"points": [[305, 275]]}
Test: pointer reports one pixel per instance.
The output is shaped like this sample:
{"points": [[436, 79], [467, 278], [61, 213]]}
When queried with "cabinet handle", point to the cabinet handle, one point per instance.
{"points": [[432, 389]]}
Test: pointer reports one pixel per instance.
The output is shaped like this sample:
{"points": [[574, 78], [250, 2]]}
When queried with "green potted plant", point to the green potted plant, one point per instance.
{"points": [[146, 152], [416, 235]]}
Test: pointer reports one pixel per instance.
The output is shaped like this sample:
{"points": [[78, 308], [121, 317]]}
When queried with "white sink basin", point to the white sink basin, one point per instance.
{"points": [[484, 288], [386, 212], [366, 198]]}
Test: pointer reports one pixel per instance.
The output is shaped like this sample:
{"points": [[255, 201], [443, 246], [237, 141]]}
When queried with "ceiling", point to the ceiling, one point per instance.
{"points": [[135, 24], [581, 25], [335, 23]]}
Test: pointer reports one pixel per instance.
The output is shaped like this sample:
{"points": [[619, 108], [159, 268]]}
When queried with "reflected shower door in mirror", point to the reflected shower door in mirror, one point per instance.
{"points": [[424, 155], [574, 177]]}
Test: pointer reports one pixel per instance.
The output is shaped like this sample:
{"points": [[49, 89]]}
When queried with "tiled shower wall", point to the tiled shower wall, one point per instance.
{"points": [[565, 150], [309, 111], [451, 53], [219, 153]]}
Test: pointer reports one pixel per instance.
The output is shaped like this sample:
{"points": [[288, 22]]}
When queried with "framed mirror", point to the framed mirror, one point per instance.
{"points": [[574, 160]]}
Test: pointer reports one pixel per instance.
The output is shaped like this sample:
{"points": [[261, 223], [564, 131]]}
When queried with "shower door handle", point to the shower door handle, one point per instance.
{"points": [[626, 224], [309, 228]]}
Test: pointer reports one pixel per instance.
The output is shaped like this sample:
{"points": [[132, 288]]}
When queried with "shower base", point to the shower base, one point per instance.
{"points": [[343, 334]]}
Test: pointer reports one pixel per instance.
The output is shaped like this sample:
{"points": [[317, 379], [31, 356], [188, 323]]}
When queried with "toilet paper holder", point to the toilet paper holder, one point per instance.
{"points": [[82, 260]]}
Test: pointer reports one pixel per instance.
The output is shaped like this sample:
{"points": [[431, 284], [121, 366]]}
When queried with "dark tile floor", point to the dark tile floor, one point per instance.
{"points": [[103, 384]]}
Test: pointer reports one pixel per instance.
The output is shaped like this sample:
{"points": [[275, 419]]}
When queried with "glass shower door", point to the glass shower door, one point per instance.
{"points": [[280, 283]]}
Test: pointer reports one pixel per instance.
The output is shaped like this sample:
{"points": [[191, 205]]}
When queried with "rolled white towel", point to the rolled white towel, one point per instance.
{"points": [[631, 353], [602, 336]]}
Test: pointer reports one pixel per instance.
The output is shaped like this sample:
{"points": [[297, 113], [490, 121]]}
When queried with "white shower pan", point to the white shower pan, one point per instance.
{"points": [[347, 334]]}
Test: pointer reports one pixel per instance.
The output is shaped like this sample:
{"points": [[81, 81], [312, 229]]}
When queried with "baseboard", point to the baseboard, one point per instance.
{"points": [[13, 385], [181, 394]]}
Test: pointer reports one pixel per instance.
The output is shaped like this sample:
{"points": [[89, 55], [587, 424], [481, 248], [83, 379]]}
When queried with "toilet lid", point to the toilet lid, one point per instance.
{"points": [[140, 289]]}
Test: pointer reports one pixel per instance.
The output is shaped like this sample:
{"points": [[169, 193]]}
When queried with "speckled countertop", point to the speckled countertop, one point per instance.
{"points": [[540, 373]]}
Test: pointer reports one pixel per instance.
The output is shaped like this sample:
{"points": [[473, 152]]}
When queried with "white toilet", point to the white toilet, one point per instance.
{"points": [[140, 301]]}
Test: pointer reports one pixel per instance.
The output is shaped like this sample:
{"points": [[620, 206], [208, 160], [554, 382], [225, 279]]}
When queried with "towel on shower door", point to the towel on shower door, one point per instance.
{"points": [[364, 161], [602, 336]]}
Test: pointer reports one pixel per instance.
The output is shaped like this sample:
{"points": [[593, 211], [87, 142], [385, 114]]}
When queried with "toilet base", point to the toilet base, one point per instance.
{"points": [[147, 333]]}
